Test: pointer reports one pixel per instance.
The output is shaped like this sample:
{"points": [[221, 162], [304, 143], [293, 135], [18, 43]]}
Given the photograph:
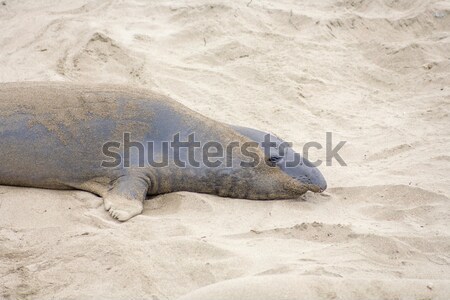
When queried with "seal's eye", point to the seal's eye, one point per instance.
{"points": [[274, 159]]}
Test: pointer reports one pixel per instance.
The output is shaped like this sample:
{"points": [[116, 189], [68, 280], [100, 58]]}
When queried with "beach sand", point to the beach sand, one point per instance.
{"points": [[375, 74]]}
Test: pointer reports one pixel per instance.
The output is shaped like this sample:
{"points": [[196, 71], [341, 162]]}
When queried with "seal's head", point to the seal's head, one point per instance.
{"points": [[241, 170], [283, 156], [299, 168]]}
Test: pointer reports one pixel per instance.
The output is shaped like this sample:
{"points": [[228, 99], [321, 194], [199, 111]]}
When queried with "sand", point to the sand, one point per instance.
{"points": [[374, 73]]}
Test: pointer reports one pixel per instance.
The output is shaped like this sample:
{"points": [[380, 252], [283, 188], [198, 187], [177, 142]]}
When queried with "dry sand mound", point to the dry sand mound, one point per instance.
{"points": [[289, 287]]}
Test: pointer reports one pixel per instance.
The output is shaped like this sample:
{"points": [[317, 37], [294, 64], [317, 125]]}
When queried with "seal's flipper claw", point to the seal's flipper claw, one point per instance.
{"points": [[125, 198]]}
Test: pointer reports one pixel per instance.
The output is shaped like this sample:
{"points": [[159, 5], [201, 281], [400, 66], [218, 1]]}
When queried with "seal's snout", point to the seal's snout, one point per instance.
{"points": [[318, 180], [312, 177], [290, 162], [322, 188]]}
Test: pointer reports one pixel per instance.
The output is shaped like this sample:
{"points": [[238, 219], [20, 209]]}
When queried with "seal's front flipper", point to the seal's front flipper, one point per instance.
{"points": [[125, 198]]}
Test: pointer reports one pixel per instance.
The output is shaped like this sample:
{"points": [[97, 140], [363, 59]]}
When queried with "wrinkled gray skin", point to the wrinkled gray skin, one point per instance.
{"points": [[52, 135]]}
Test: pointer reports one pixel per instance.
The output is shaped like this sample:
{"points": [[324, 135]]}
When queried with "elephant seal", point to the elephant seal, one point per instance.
{"points": [[113, 141]]}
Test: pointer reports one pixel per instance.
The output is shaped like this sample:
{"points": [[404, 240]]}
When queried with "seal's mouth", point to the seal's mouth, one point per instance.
{"points": [[322, 187]]}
